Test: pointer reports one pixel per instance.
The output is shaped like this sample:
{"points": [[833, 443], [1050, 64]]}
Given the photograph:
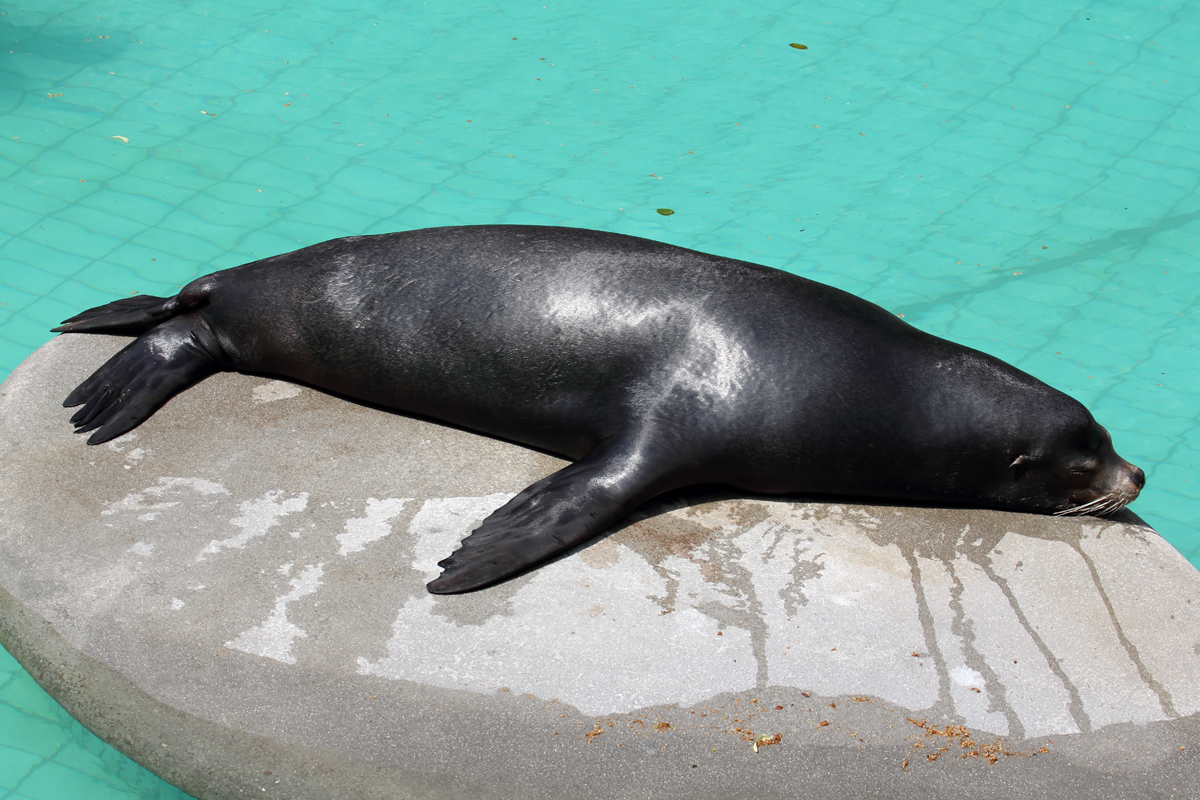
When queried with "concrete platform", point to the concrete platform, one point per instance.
{"points": [[233, 594]]}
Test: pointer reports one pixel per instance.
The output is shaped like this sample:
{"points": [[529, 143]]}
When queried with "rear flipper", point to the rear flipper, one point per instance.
{"points": [[136, 382], [556, 513], [133, 315]]}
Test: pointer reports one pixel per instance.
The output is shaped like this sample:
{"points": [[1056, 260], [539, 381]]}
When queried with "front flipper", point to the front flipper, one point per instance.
{"points": [[553, 515], [136, 382]]}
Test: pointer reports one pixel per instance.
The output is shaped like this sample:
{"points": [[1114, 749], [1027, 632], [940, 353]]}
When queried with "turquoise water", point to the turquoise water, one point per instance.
{"points": [[1020, 177]]}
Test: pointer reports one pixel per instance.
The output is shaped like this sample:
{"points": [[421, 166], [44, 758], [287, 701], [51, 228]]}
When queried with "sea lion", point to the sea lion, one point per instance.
{"points": [[651, 366]]}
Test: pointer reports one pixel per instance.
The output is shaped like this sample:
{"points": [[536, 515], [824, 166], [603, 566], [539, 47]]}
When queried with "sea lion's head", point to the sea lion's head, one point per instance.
{"points": [[1073, 471], [1013, 442]]}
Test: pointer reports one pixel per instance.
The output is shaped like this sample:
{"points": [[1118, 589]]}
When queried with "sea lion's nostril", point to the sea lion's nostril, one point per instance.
{"points": [[1138, 477]]}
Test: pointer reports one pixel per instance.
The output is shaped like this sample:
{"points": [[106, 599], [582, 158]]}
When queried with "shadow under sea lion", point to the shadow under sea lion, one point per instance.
{"points": [[653, 367]]}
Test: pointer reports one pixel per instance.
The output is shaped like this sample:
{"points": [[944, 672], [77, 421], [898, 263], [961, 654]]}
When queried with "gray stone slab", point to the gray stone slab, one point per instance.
{"points": [[233, 594]]}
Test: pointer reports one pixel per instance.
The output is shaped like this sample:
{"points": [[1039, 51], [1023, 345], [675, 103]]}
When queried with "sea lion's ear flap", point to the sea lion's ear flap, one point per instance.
{"points": [[1020, 463]]}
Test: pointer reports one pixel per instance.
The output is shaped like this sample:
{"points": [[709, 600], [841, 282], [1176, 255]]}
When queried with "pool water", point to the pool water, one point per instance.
{"points": [[1020, 177]]}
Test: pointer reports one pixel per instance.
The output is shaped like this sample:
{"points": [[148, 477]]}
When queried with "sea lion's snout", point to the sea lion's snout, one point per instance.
{"points": [[1111, 489], [1131, 481], [1129, 484], [1137, 476]]}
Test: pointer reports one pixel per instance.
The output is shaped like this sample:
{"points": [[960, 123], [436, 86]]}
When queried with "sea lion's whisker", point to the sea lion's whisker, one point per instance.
{"points": [[1086, 508], [1117, 504]]}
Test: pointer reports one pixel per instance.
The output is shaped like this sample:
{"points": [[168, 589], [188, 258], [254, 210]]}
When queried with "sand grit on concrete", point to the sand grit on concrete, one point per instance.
{"points": [[233, 594]]}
